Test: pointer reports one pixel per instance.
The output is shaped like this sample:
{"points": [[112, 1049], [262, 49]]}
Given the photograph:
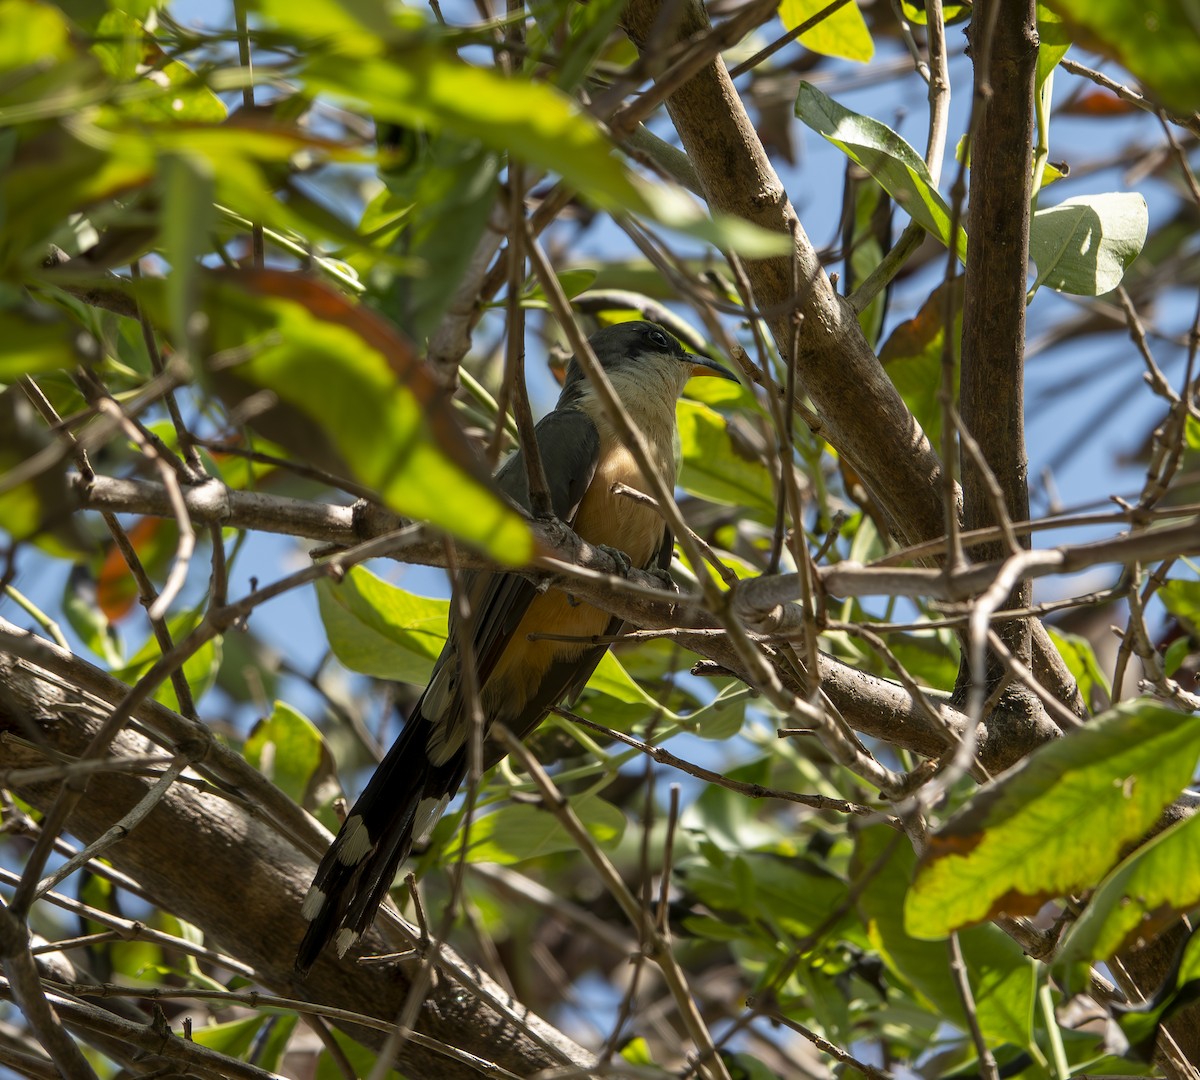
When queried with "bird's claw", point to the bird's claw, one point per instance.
{"points": [[664, 579], [623, 561]]}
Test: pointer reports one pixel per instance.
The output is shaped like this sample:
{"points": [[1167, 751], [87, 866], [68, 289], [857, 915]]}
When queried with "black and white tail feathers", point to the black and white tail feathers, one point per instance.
{"points": [[401, 801]]}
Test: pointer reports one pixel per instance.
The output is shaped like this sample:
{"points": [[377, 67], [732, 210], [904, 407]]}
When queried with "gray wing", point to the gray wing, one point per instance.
{"points": [[570, 449], [588, 662]]}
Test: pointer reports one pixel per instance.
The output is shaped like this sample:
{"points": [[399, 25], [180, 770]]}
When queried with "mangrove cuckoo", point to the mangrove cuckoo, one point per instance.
{"points": [[523, 665]]}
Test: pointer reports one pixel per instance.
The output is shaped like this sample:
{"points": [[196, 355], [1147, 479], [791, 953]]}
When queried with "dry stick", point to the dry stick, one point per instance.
{"points": [[142, 1041], [187, 536], [118, 831], [915, 690], [540, 502], [131, 930], [30, 997], [668, 860], [906, 34], [213, 624], [18, 777], [751, 791], [148, 595], [935, 148], [1132, 97], [50, 415], [826, 1047], [41, 1068], [338, 525], [796, 31], [958, 969], [653, 941], [96, 435], [318, 1026], [786, 500], [213, 503], [994, 491], [1154, 376], [186, 442], [696, 56], [310, 472], [247, 61], [1062, 716]]}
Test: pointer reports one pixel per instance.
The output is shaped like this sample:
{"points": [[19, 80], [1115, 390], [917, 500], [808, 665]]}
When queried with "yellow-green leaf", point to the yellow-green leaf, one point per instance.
{"points": [[1057, 822], [843, 33]]}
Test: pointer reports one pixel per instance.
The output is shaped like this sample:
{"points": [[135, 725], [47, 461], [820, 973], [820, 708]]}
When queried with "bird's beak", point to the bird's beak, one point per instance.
{"points": [[703, 367]]}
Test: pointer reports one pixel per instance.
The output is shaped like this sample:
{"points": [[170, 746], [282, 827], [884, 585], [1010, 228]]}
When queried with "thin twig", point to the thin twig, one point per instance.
{"points": [[710, 1061], [958, 969]]}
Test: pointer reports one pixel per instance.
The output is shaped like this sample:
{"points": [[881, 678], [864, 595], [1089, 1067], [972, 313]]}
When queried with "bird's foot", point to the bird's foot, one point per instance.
{"points": [[664, 579], [623, 561]]}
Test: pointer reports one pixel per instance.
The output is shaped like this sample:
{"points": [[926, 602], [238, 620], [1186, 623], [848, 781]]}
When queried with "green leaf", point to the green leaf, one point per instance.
{"points": [[40, 509], [572, 282], [613, 698], [1174, 656], [715, 467], [1003, 980], [843, 34], [233, 1038], [518, 832], [448, 200], [34, 35], [591, 25], [200, 669], [423, 84], [288, 750], [172, 92], [637, 1052], [869, 239], [1143, 896], [1081, 661], [35, 340], [793, 897], [898, 168], [721, 718], [362, 1060], [82, 608], [417, 81], [380, 629], [1157, 40], [1182, 599], [187, 193], [1084, 245], [348, 393], [269, 1051], [1053, 43], [914, 11], [912, 355], [1055, 823]]}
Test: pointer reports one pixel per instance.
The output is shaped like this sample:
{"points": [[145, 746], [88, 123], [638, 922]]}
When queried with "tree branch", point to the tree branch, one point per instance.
{"points": [[257, 917]]}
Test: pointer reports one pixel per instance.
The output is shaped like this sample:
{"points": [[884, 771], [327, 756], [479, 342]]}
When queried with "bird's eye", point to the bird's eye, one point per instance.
{"points": [[659, 338]]}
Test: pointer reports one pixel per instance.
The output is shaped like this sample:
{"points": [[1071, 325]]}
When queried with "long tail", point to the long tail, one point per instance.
{"points": [[400, 802]]}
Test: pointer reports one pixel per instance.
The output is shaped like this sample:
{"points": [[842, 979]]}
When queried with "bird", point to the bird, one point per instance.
{"points": [[520, 671]]}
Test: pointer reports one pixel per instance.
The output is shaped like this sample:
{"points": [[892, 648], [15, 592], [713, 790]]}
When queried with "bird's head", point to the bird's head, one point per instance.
{"points": [[642, 358]]}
